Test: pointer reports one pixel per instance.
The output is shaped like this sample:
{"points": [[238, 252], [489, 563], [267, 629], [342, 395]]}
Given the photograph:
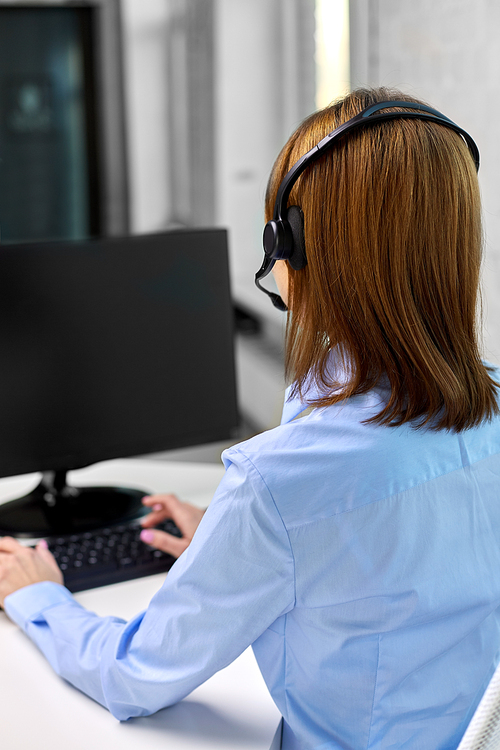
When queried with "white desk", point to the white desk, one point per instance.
{"points": [[40, 711]]}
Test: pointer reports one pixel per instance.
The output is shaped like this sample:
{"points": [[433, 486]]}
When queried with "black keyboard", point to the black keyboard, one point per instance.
{"points": [[97, 558]]}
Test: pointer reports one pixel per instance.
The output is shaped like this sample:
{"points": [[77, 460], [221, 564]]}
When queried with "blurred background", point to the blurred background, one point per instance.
{"points": [[122, 116]]}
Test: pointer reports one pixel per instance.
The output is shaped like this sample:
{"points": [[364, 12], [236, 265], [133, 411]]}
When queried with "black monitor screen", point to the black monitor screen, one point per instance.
{"points": [[114, 347]]}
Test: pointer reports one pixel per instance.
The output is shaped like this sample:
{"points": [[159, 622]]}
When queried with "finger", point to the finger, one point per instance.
{"points": [[46, 554], [164, 542], [152, 519], [163, 506], [152, 503], [8, 544], [161, 501]]}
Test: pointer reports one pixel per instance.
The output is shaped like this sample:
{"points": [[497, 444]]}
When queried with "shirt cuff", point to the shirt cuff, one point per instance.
{"points": [[27, 604]]}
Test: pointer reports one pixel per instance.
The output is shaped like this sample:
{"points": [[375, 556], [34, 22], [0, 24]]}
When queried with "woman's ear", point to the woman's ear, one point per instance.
{"points": [[280, 273]]}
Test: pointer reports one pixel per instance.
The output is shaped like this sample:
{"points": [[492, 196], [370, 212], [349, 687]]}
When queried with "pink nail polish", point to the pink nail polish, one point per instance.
{"points": [[157, 506], [147, 535], [43, 543]]}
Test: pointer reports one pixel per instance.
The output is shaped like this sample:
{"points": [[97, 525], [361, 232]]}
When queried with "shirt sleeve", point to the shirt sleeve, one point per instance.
{"points": [[233, 581]]}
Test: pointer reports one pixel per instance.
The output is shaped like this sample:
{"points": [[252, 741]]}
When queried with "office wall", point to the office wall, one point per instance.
{"points": [[264, 87], [448, 54], [203, 136], [145, 65]]}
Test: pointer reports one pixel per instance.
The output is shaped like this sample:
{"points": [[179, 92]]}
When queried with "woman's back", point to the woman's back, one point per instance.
{"points": [[395, 538]]}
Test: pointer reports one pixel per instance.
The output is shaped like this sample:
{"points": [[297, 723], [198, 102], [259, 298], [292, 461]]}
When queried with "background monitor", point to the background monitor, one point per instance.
{"points": [[109, 348]]}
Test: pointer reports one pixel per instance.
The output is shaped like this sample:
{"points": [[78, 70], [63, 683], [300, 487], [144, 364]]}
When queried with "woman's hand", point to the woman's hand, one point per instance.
{"points": [[20, 566], [186, 516]]}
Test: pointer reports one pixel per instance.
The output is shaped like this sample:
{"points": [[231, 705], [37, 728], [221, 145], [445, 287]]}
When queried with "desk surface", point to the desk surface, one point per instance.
{"points": [[39, 710]]}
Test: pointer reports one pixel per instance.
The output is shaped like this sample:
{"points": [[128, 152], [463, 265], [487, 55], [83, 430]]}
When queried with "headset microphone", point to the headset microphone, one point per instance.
{"points": [[283, 237]]}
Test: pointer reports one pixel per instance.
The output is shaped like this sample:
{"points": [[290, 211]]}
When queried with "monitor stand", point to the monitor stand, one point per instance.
{"points": [[54, 508]]}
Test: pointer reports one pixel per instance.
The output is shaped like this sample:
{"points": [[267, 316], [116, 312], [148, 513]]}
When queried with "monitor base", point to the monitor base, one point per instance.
{"points": [[54, 508]]}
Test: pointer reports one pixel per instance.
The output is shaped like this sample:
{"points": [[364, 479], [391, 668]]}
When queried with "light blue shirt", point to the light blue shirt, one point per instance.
{"points": [[363, 564]]}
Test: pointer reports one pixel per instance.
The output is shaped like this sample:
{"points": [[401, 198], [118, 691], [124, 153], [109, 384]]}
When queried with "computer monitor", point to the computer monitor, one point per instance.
{"points": [[109, 348]]}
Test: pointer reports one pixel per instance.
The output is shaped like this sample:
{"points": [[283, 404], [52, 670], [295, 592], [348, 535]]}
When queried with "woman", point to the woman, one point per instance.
{"points": [[357, 547]]}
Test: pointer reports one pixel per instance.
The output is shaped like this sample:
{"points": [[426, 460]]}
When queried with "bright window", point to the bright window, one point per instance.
{"points": [[332, 50]]}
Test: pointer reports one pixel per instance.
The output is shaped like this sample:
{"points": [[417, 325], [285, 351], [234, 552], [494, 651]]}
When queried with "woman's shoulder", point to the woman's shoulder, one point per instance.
{"points": [[339, 461]]}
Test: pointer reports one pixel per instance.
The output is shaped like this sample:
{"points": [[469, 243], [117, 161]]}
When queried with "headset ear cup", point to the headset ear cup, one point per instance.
{"points": [[295, 218]]}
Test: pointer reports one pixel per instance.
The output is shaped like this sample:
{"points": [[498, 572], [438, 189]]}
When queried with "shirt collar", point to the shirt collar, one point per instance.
{"points": [[294, 405]]}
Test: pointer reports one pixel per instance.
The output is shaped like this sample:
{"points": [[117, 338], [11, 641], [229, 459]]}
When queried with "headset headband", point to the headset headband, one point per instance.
{"points": [[278, 236]]}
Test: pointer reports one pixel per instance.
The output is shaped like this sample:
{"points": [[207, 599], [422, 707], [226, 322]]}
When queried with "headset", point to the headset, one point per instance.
{"points": [[283, 237]]}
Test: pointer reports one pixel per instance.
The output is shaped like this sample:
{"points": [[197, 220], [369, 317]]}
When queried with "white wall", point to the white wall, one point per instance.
{"points": [[145, 57], [447, 53], [264, 87], [247, 129]]}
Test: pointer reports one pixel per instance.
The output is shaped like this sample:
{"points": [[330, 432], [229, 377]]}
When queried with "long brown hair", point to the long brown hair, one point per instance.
{"points": [[394, 242]]}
